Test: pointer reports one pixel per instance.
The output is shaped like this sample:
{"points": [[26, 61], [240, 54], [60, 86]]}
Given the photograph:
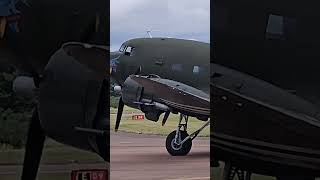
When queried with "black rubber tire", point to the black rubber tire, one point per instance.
{"points": [[183, 150]]}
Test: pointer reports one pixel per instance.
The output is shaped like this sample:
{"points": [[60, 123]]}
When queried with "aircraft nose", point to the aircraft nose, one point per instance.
{"points": [[114, 55]]}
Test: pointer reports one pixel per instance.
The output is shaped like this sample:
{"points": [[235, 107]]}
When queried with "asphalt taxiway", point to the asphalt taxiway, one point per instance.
{"points": [[135, 157], [144, 157]]}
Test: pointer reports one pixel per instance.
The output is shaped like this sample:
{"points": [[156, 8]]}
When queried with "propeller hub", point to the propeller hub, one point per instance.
{"points": [[117, 89], [24, 86]]}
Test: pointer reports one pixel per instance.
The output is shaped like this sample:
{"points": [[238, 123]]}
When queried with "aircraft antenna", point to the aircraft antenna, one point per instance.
{"points": [[149, 33]]}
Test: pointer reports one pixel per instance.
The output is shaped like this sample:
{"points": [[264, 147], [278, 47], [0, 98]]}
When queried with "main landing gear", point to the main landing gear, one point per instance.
{"points": [[179, 142]]}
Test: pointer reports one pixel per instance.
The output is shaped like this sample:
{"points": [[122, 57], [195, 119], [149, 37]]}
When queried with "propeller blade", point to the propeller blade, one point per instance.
{"points": [[165, 118], [119, 114], [34, 147]]}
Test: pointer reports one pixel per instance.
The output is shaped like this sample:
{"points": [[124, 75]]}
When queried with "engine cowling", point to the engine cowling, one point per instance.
{"points": [[73, 98], [134, 95]]}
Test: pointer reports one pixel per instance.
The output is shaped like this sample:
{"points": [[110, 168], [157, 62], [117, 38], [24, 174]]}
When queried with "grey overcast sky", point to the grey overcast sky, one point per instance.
{"points": [[186, 19]]}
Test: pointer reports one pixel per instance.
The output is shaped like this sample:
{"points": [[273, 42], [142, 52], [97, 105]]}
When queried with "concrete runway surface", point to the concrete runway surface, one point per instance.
{"points": [[144, 157]]}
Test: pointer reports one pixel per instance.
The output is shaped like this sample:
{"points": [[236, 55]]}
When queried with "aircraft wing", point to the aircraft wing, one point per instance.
{"points": [[259, 90], [251, 129], [261, 120], [154, 95]]}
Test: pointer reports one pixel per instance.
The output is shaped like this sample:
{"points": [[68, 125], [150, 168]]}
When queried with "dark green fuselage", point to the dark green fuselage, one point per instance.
{"points": [[185, 61]]}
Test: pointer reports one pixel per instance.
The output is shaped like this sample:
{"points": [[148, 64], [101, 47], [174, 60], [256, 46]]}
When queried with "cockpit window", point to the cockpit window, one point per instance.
{"points": [[129, 51], [122, 48]]}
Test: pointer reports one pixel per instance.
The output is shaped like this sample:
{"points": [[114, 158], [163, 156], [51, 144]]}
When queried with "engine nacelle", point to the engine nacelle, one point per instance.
{"points": [[133, 95], [73, 100]]}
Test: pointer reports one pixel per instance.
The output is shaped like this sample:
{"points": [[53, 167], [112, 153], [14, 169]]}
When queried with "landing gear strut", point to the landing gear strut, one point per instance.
{"points": [[179, 142]]}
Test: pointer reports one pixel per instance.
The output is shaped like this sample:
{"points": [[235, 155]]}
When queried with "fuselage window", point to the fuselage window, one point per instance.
{"points": [[280, 27], [176, 67], [196, 69], [274, 27], [129, 51]]}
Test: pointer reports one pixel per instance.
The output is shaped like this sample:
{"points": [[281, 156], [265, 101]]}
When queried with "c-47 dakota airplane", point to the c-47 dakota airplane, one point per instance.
{"points": [[163, 75]]}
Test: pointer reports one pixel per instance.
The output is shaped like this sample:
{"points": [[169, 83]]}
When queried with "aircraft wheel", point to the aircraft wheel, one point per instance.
{"points": [[178, 150]]}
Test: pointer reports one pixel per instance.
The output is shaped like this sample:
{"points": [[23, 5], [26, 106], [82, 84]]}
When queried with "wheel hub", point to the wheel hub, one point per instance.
{"points": [[175, 146]]}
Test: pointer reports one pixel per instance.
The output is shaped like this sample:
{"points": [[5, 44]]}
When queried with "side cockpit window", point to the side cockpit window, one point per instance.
{"points": [[122, 48], [129, 51]]}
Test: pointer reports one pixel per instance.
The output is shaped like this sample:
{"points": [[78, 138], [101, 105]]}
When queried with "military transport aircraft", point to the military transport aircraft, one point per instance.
{"points": [[163, 75], [265, 88], [70, 83]]}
